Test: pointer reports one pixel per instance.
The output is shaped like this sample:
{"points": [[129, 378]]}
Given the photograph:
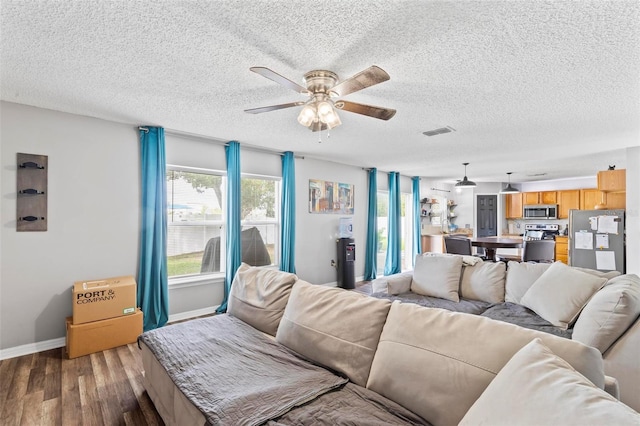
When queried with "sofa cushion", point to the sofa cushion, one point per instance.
{"points": [[540, 388], [336, 328], [437, 276], [609, 313], [258, 296], [560, 293], [436, 363], [484, 281], [520, 276]]}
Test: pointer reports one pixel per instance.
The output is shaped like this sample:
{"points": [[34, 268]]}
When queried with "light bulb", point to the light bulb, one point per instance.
{"points": [[307, 115], [325, 110], [333, 120]]}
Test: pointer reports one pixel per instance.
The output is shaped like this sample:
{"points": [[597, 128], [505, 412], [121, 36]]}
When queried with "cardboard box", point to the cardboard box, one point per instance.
{"points": [[102, 299], [88, 338]]}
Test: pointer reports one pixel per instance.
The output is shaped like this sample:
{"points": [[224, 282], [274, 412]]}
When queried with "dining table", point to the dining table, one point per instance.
{"points": [[491, 244]]}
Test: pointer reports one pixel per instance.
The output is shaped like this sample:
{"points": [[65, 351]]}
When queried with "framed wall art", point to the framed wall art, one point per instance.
{"points": [[330, 197]]}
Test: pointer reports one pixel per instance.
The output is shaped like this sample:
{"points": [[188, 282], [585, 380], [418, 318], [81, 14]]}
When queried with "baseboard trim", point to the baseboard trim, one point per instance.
{"points": [[32, 348], [192, 314]]}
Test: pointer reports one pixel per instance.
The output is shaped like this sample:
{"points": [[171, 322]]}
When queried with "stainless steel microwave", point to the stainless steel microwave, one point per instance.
{"points": [[541, 211]]}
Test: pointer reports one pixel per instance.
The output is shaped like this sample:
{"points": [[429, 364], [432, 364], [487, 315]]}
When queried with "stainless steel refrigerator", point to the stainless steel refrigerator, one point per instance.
{"points": [[597, 239]]}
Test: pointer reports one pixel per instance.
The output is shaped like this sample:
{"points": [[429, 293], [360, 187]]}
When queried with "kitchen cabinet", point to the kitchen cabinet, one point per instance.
{"points": [[616, 200], [567, 200], [562, 249], [530, 198], [542, 197], [513, 204], [612, 180], [589, 198]]}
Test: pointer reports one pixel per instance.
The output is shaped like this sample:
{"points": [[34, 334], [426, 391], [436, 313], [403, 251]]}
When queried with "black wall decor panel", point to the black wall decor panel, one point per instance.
{"points": [[31, 203]]}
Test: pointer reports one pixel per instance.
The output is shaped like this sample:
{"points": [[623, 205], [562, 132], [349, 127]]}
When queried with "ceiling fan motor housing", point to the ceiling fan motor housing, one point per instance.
{"points": [[320, 81]]}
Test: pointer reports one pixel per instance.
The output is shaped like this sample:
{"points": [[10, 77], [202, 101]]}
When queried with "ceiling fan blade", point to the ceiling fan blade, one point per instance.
{"points": [[362, 80], [371, 111], [283, 81], [272, 107]]}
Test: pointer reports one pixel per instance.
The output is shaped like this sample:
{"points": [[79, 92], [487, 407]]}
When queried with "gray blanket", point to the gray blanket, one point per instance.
{"points": [[234, 374], [524, 317], [506, 312], [468, 306], [349, 406]]}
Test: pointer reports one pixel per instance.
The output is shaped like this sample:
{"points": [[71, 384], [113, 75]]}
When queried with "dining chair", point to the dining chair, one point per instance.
{"points": [[538, 251], [458, 245]]}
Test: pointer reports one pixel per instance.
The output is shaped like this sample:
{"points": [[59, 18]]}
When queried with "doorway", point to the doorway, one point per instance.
{"points": [[487, 215]]}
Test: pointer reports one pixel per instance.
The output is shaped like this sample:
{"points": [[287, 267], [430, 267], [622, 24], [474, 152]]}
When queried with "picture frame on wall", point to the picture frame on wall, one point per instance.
{"points": [[330, 197]]}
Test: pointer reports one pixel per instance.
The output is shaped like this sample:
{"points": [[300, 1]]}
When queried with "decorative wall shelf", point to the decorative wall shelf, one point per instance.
{"points": [[31, 202]]}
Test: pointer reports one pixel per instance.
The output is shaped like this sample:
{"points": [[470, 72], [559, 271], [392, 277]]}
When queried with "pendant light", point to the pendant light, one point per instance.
{"points": [[509, 189], [465, 183]]}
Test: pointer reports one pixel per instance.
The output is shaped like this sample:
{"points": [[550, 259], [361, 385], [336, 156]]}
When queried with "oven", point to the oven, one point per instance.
{"points": [[541, 211], [540, 231]]}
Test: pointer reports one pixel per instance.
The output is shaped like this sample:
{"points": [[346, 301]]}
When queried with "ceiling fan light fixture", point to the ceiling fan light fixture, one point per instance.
{"points": [[308, 115], [509, 189], [333, 120], [465, 183], [325, 109]]}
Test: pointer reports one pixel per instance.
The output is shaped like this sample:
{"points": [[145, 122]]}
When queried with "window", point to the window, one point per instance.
{"points": [[406, 229], [260, 218], [383, 219], [196, 221]]}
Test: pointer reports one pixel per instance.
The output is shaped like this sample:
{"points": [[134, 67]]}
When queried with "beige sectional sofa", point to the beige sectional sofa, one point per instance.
{"points": [[598, 309], [388, 363]]}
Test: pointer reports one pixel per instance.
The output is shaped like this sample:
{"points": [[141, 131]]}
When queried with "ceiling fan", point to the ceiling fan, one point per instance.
{"points": [[319, 112]]}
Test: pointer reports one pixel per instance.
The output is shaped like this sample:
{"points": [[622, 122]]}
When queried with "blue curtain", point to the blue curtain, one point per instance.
{"points": [[371, 256], [153, 292], [417, 223], [234, 249], [288, 212], [393, 261]]}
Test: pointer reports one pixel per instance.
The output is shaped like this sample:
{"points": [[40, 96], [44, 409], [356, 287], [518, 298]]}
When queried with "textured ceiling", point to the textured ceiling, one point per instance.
{"points": [[531, 87]]}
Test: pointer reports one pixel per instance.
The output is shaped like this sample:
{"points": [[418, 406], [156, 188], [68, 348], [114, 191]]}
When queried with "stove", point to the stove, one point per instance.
{"points": [[540, 232]]}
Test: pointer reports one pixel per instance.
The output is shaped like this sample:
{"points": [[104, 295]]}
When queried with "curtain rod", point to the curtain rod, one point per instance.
{"points": [[218, 141], [443, 190]]}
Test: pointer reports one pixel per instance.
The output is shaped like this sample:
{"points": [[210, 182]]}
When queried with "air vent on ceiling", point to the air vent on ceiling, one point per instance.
{"points": [[439, 131], [537, 175]]}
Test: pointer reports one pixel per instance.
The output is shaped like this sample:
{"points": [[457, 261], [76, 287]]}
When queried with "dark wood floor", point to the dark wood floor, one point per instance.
{"points": [[104, 388]]}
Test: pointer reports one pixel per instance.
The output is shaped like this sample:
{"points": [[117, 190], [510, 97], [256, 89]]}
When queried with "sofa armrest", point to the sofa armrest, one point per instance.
{"points": [[611, 387], [399, 283], [393, 284]]}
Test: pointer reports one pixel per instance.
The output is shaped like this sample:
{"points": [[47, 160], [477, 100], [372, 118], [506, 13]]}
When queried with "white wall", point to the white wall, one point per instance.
{"points": [[93, 217], [633, 210], [316, 233]]}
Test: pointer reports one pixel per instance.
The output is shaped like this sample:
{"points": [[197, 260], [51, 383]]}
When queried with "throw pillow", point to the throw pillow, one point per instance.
{"points": [[560, 293], [484, 281], [540, 388], [336, 328], [259, 295], [609, 313], [437, 276], [520, 276], [608, 275]]}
